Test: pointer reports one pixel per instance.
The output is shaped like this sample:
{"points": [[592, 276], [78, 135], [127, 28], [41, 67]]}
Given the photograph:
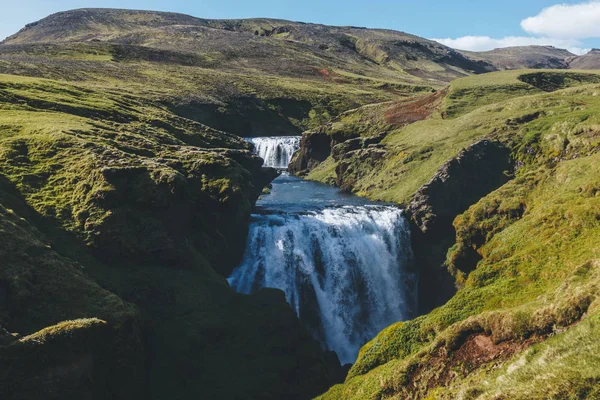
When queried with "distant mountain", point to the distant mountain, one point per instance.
{"points": [[537, 57], [590, 60], [273, 46], [251, 77]]}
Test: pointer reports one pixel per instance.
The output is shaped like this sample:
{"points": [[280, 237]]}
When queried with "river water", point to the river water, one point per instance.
{"points": [[344, 263]]}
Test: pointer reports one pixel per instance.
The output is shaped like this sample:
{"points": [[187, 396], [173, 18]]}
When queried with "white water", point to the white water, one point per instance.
{"points": [[277, 151], [344, 270]]}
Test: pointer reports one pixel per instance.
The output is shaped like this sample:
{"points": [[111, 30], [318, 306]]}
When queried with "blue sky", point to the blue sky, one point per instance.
{"points": [[470, 25]]}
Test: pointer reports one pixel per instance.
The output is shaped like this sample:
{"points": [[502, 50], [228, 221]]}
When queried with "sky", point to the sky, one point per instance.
{"points": [[467, 25]]}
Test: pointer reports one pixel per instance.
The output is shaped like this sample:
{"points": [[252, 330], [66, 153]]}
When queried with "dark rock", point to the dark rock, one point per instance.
{"points": [[339, 150], [374, 139], [6, 337], [315, 147], [72, 359], [458, 184]]}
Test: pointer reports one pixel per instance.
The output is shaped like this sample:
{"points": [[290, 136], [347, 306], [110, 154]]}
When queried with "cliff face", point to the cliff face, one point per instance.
{"points": [[117, 215], [459, 183], [501, 186], [39, 289], [314, 149]]}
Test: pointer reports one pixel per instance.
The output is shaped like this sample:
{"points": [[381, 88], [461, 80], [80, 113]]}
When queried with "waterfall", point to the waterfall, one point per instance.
{"points": [[277, 151], [346, 271]]}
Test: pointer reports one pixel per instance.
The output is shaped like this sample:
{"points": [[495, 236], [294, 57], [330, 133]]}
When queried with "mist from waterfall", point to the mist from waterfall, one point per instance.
{"points": [[277, 151], [345, 270]]}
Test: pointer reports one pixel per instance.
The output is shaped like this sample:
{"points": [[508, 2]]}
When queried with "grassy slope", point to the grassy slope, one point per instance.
{"points": [[224, 75], [150, 204], [537, 240], [416, 151], [270, 100]]}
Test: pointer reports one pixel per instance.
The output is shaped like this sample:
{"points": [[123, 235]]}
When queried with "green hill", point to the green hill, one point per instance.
{"points": [[126, 191], [501, 184], [251, 77]]}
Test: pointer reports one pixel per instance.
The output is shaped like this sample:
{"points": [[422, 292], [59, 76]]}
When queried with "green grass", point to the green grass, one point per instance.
{"points": [[536, 238], [468, 94], [567, 119], [542, 267], [107, 198]]}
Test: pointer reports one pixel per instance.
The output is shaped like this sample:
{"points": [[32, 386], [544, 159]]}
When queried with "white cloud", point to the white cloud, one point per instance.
{"points": [[576, 21], [561, 25], [579, 51], [483, 43]]}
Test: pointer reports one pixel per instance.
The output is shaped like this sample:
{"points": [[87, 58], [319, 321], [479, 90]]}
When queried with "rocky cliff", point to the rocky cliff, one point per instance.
{"points": [[116, 218], [501, 195], [460, 182]]}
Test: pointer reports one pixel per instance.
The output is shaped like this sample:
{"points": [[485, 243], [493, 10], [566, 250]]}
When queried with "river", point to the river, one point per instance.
{"points": [[344, 263]]}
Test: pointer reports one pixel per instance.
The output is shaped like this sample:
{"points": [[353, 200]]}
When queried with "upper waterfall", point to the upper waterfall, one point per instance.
{"points": [[277, 151], [345, 266]]}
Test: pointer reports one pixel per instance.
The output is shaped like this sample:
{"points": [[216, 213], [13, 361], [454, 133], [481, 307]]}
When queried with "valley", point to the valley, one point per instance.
{"points": [[266, 209]]}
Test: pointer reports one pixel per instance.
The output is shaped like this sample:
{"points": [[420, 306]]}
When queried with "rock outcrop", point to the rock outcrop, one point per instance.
{"points": [[126, 225], [458, 184], [315, 147]]}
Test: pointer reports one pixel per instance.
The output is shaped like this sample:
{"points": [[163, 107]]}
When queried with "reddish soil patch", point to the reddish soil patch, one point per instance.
{"points": [[480, 349], [406, 112], [444, 365], [331, 76]]}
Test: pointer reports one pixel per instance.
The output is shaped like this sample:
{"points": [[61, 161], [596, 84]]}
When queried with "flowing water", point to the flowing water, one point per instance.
{"points": [[277, 151], [344, 263]]}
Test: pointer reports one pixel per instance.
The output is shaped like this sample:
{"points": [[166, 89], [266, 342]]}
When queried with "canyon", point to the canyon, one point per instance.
{"points": [[265, 209]]}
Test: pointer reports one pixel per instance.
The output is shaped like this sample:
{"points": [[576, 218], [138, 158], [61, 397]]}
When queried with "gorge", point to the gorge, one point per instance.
{"points": [[437, 227], [344, 263]]}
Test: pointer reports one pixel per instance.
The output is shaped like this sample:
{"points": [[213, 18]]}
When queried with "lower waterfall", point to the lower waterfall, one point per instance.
{"points": [[346, 268], [277, 151]]}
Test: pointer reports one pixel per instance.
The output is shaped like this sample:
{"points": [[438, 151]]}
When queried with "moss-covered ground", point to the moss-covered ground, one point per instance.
{"points": [[526, 259], [123, 202], [114, 207]]}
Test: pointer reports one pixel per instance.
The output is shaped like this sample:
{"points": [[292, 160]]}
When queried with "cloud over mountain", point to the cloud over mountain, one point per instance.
{"points": [[577, 21], [483, 43], [561, 25]]}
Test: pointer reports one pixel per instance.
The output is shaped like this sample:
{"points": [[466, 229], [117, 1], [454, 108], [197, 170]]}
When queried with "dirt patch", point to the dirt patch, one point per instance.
{"points": [[480, 349], [331, 76], [406, 112], [443, 365]]}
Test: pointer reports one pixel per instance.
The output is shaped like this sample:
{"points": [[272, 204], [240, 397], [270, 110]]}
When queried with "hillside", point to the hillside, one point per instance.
{"points": [[126, 193], [538, 57], [590, 60], [250, 77], [252, 43], [500, 183]]}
